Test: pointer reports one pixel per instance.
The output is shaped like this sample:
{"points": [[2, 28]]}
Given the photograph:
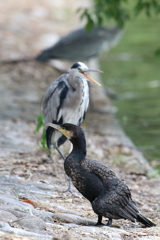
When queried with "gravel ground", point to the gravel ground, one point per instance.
{"points": [[33, 201]]}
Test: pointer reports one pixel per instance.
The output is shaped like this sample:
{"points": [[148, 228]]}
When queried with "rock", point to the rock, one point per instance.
{"points": [[31, 223], [11, 201], [66, 210], [63, 236], [16, 211], [70, 218], [4, 225], [4, 179], [39, 185], [6, 216], [20, 232], [112, 233], [45, 216]]}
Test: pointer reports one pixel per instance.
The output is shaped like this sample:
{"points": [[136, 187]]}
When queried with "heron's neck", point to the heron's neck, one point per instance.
{"points": [[76, 79]]}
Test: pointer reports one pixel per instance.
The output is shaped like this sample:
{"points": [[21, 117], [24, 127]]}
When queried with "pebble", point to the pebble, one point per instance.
{"points": [[68, 200]]}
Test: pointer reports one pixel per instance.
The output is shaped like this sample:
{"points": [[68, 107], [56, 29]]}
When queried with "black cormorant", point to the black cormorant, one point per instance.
{"points": [[110, 197]]}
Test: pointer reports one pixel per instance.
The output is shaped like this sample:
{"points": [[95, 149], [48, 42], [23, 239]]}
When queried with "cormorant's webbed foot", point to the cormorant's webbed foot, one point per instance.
{"points": [[99, 222], [109, 222]]}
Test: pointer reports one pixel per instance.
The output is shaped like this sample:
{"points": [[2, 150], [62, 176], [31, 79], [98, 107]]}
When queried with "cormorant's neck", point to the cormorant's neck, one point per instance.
{"points": [[79, 147]]}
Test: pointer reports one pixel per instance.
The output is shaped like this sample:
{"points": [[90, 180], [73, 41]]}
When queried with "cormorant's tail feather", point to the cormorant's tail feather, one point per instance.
{"points": [[145, 221]]}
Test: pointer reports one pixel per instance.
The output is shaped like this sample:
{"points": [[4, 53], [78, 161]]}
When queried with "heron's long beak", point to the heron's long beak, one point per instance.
{"points": [[57, 127], [90, 78], [92, 70], [53, 126]]}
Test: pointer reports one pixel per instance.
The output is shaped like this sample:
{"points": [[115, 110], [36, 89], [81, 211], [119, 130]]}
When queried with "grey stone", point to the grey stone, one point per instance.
{"points": [[45, 216], [112, 233], [11, 201], [66, 210], [15, 211], [70, 218], [6, 216], [39, 185], [5, 179], [4, 225], [31, 222], [24, 233]]}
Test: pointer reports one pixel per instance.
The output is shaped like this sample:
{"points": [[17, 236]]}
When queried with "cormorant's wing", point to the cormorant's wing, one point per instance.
{"points": [[105, 174], [116, 203]]}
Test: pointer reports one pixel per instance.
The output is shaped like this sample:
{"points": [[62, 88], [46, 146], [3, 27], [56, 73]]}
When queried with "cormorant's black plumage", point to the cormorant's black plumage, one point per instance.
{"points": [[110, 197]]}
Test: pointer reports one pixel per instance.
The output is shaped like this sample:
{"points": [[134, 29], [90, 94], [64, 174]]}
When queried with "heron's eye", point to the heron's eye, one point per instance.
{"points": [[79, 69]]}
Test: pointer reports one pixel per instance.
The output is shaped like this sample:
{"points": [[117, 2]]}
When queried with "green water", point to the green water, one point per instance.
{"points": [[133, 71]]}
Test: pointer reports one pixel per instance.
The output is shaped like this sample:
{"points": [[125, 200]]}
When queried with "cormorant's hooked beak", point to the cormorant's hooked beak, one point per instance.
{"points": [[57, 127], [83, 71]]}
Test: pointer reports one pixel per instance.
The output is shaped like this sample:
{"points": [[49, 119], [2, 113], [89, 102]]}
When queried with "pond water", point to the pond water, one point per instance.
{"points": [[133, 72]]}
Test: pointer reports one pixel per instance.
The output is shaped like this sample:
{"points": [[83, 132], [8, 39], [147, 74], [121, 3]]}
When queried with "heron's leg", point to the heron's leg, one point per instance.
{"points": [[70, 189], [53, 159], [109, 222], [70, 186], [59, 151], [99, 222], [61, 154]]}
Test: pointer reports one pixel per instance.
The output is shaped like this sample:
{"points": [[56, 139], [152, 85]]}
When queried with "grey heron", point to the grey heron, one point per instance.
{"points": [[66, 101], [82, 45]]}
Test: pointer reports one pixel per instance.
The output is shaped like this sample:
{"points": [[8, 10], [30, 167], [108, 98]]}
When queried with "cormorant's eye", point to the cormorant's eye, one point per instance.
{"points": [[63, 128]]}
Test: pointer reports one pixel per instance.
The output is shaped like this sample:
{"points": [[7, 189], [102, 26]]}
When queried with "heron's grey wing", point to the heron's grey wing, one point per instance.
{"points": [[52, 103], [54, 97]]}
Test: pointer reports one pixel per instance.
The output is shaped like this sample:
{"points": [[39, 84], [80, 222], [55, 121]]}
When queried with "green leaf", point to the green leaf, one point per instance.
{"points": [[89, 25], [43, 140], [40, 122], [157, 52]]}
